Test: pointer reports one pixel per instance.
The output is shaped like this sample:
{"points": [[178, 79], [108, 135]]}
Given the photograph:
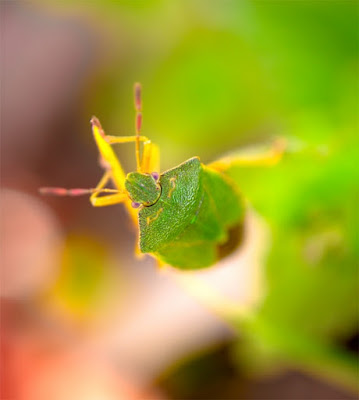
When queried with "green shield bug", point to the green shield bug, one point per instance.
{"points": [[189, 216]]}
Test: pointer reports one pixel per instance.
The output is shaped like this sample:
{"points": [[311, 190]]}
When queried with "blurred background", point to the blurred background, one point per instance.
{"points": [[81, 317]]}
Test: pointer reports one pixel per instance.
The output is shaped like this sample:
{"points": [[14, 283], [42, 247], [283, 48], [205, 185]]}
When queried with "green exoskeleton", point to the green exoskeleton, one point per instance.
{"points": [[189, 216]]}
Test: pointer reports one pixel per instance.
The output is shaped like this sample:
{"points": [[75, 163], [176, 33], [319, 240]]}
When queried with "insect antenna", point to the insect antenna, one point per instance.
{"points": [[59, 191], [138, 122]]}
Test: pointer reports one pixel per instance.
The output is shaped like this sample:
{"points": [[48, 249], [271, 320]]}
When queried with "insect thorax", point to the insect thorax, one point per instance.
{"points": [[162, 222]]}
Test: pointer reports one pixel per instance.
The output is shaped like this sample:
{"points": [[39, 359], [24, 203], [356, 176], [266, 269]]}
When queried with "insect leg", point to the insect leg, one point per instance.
{"points": [[108, 159], [124, 139], [252, 157], [150, 158], [101, 201], [151, 153], [107, 200], [114, 172]]}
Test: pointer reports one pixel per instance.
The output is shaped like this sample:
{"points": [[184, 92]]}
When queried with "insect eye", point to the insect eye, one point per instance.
{"points": [[155, 176], [135, 205]]}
